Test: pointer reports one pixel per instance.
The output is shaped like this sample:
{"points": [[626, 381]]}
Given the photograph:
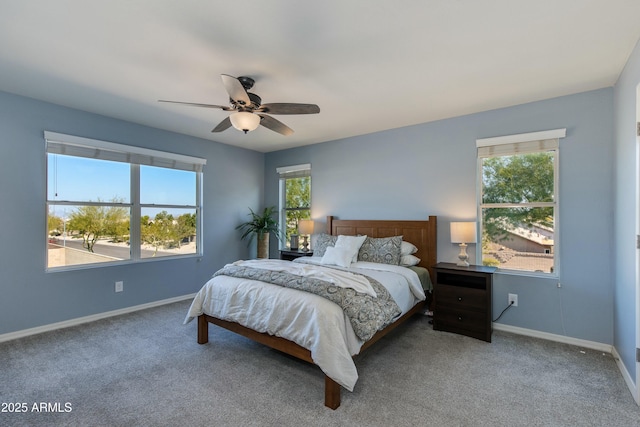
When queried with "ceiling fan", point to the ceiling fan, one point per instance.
{"points": [[248, 112]]}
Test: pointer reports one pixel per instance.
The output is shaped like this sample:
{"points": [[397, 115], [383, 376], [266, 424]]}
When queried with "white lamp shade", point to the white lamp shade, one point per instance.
{"points": [[305, 226], [463, 232], [245, 121]]}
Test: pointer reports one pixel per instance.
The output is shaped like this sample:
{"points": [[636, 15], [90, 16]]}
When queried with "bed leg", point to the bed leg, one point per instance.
{"points": [[331, 393], [203, 330]]}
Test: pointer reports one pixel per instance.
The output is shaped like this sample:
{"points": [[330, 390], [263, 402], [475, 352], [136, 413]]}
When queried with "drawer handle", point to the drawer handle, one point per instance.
{"points": [[460, 318], [459, 298]]}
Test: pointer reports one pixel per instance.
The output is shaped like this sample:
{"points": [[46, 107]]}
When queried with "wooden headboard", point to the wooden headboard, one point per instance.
{"points": [[423, 234]]}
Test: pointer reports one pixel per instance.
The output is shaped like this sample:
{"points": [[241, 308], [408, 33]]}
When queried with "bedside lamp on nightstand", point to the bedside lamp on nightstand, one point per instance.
{"points": [[305, 228], [463, 233]]}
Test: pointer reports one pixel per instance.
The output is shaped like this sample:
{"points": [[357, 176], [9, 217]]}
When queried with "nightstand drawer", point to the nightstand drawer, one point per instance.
{"points": [[466, 320], [459, 297]]}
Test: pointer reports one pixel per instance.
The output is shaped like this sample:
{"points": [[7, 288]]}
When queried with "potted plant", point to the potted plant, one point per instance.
{"points": [[260, 225]]}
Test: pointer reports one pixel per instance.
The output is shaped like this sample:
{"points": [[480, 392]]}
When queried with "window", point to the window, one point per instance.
{"points": [[109, 202], [518, 201], [295, 198]]}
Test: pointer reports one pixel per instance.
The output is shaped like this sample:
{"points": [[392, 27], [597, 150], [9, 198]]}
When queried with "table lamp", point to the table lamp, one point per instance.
{"points": [[305, 228], [463, 233]]}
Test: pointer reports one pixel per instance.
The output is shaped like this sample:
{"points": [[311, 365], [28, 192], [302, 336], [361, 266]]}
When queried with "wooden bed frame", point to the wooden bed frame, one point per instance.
{"points": [[421, 233]]}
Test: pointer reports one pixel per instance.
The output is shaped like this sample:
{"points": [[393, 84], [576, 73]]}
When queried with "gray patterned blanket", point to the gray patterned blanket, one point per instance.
{"points": [[366, 313]]}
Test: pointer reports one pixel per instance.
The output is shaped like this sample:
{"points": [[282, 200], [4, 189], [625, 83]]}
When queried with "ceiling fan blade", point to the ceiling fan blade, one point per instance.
{"points": [[194, 104], [287, 108], [223, 125], [275, 125], [235, 89]]}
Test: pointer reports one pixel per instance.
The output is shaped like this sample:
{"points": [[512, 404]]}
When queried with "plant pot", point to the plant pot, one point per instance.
{"points": [[263, 245]]}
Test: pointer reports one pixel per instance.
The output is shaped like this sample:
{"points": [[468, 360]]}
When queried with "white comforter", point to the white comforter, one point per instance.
{"points": [[310, 321]]}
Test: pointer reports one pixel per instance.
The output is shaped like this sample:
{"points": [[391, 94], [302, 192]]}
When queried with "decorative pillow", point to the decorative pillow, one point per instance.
{"points": [[322, 242], [409, 260], [384, 250], [407, 248], [336, 256], [351, 244]]}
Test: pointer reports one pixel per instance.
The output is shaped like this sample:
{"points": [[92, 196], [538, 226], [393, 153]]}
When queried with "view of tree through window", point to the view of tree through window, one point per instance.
{"points": [[297, 204], [518, 211], [91, 204]]}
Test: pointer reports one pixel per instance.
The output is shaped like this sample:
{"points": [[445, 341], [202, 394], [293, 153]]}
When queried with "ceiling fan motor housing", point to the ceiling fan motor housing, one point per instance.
{"points": [[246, 82], [256, 101]]}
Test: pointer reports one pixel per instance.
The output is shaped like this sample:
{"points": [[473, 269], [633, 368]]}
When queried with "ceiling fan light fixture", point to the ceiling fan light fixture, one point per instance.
{"points": [[245, 121], [247, 110]]}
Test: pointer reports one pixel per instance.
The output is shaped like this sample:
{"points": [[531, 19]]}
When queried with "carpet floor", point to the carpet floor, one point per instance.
{"points": [[146, 369]]}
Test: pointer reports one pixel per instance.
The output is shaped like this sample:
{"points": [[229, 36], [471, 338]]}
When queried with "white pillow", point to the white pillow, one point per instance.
{"points": [[407, 248], [351, 244], [409, 260], [336, 256]]}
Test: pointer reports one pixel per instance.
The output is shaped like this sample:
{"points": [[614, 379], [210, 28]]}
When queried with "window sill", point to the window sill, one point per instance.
{"points": [[532, 274], [119, 263]]}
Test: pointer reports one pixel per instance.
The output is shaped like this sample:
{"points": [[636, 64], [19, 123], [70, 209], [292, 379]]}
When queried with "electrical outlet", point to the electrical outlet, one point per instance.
{"points": [[119, 286], [513, 300]]}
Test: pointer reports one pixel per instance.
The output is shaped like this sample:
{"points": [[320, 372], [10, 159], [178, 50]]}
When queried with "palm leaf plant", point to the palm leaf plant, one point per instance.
{"points": [[261, 226]]}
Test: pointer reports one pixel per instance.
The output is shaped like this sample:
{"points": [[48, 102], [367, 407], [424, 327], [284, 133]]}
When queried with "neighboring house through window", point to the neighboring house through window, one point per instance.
{"points": [[518, 201], [110, 202], [295, 198]]}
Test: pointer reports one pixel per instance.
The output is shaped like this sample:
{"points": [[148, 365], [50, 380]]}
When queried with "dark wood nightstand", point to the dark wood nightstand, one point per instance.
{"points": [[463, 300], [291, 254]]}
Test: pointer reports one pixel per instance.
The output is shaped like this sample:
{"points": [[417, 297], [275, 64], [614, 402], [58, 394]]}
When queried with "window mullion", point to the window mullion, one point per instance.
{"points": [[86, 203], [134, 222], [199, 220], [167, 206], [518, 205]]}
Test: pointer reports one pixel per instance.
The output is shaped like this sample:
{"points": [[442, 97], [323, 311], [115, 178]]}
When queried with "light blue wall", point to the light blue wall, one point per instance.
{"points": [[626, 190], [233, 181], [410, 173], [430, 169]]}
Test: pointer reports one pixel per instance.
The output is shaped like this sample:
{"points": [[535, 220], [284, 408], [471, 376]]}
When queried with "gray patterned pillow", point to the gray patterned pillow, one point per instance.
{"points": [[384, 250], [322, 241]]}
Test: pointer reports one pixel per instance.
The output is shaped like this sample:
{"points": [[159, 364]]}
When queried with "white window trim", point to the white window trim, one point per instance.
{"points": [[522, 137], [295, 168], [105, 150], [554, 134], [132, 155]]}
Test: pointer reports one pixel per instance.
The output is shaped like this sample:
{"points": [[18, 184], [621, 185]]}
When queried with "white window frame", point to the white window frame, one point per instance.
{"points": [[284, 173], [532, 142], [58, 143]]}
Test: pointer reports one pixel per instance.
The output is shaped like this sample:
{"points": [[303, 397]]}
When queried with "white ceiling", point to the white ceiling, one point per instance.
{"points": [[370, 66]]}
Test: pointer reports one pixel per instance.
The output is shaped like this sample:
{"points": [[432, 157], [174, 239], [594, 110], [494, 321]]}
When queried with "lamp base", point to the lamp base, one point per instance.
{"points": [[463, 256], [305, 243]]}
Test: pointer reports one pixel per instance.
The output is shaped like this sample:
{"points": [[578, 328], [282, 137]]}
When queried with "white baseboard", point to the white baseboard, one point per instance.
{"points": [[627, 377], [80, 320], [606, 348]]}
